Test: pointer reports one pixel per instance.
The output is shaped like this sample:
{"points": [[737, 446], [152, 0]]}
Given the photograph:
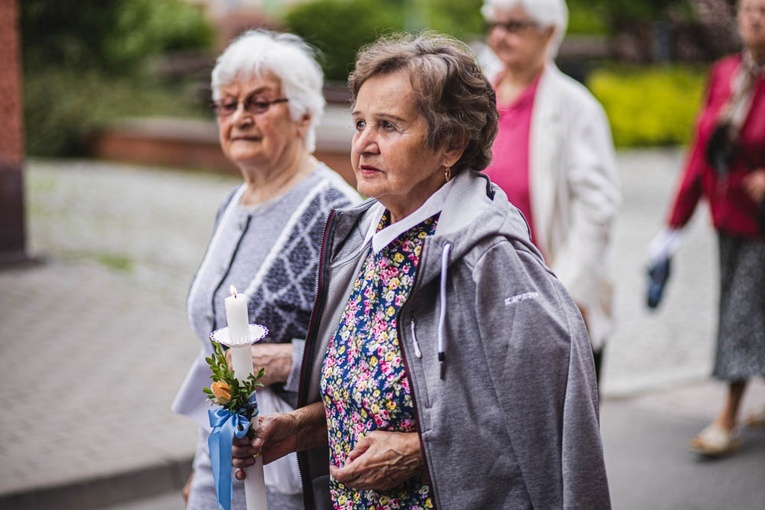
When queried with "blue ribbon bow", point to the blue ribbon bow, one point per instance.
{"points": [[225, 425]]}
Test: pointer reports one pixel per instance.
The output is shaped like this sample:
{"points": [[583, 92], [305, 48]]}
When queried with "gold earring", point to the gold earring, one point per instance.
{"points": [[448, 173]]}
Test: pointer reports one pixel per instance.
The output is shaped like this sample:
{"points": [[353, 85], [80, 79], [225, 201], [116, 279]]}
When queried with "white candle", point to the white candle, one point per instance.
{"points": [[237, 317], [241, 362], [254, 484]]}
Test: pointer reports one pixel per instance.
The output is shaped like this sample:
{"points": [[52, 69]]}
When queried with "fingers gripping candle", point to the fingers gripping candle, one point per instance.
{"points": [[241, 362]]}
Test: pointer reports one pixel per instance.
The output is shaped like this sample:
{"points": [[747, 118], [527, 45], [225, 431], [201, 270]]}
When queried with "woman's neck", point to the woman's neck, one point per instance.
{"points": [[758, 55], [266, 184], [513, 82]]}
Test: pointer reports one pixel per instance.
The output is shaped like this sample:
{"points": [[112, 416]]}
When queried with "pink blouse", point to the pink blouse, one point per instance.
{"points": [[509, 167]]}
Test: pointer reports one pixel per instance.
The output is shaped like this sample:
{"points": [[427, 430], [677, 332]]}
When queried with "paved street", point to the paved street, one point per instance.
{"points": [[95, 344]]}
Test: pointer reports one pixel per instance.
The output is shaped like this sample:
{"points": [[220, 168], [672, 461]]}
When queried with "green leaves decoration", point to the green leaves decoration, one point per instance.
{"points": [[240, 391]]}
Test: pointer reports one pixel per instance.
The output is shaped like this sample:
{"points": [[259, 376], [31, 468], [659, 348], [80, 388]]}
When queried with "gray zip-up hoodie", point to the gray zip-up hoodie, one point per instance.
{"points": [[497, 355]]}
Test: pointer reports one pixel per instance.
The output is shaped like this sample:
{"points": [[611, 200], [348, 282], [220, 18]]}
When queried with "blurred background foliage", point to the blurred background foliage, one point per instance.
{"points": [[102, 60], [649, 106], [586, 19], [90, 63], [338, 28]]}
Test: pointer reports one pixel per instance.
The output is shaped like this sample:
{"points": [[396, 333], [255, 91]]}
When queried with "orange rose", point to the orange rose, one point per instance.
{"points": [[222, 392]]}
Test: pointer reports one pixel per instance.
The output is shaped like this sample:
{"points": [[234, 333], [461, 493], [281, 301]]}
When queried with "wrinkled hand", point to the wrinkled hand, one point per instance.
{"points": [[381, 461], [279, 434], [754, 185], [275, 438], [276, 359]]}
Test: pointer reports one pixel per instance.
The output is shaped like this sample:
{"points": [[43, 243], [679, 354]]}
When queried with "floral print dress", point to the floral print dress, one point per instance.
{"points": [[364, 382]]}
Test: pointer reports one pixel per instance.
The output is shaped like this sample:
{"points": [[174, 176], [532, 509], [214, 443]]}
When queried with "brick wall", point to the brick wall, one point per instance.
{"points": [[12, 235]]}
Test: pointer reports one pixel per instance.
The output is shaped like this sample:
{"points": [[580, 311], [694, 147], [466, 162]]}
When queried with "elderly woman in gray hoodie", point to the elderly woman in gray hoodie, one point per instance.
{"points": [[445, 364]]}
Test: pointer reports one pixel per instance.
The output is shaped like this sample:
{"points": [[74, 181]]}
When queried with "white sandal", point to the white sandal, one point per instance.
{"points": [[715, 441]]}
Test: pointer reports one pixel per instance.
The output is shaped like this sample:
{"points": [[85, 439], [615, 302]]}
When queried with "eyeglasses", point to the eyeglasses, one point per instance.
{"points": [[753, 11], [251, 105], [513, 26]]}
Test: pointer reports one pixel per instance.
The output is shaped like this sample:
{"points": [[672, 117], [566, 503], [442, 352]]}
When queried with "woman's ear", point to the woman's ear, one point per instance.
{"points": [[452, 154], [303, 123], [549, 35]]}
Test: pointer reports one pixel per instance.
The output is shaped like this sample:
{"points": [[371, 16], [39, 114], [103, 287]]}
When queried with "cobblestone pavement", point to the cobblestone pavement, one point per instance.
{"points": [[96, 343]]}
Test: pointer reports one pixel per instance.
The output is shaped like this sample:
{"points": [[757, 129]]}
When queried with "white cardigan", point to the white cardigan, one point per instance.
{"points": [[575, 193]]}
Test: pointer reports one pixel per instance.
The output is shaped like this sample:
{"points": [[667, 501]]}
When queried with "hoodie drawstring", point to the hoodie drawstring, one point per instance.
{"points": [[442, 313]]}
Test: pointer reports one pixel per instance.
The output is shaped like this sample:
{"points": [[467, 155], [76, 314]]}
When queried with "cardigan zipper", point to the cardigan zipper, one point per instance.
{"points": [[446, 250], [409, 373], [310, 344], [417, 351]]}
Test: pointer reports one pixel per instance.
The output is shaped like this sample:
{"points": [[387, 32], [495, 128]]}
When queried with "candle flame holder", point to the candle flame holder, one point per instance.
{"points": [[257, 333]]}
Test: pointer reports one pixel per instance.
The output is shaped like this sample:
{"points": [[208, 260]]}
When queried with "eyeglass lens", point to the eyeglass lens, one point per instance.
{"points": [[512, 25], [251, 105]]}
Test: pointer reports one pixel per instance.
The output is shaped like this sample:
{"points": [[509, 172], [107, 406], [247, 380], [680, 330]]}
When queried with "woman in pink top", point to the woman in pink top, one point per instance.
{"points": [[554, 155]]}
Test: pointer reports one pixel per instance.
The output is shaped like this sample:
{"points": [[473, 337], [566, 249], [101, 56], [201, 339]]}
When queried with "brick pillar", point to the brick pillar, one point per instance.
{"points": [[12, 230]]}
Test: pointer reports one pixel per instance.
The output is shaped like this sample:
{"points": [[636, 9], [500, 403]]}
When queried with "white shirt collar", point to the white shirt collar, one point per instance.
{"points": [[434, 204]]}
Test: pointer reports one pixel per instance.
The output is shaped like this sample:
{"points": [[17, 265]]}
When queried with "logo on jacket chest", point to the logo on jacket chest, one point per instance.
{"points": [[521, 297]]}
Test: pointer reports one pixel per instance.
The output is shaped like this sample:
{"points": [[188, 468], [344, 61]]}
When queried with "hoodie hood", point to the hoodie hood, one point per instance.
{"points": [[476, 211]]}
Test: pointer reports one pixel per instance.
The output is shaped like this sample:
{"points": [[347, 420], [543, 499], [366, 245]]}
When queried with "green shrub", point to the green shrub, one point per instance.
{"points": [[62, 107], [340, 27], [460, 18], [586, 19], [114, 36], [150, 27], [649, 106], [55, 33], [86, 64]]}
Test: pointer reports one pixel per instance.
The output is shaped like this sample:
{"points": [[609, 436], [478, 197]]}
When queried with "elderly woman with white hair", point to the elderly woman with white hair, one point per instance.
{"points": [[554, 155], [267, 91]]}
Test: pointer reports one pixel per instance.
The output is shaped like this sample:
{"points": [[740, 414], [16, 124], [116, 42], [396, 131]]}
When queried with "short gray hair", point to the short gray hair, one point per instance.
{"points": [[288, 57], [548, 13], [451, 90]]}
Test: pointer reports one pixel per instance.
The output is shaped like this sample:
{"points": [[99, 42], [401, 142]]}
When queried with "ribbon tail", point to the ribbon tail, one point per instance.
{"points": [[224, 427]]}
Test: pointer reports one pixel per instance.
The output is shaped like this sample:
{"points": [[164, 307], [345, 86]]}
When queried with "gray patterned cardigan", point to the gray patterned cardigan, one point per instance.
{"points": [[270, 253]]}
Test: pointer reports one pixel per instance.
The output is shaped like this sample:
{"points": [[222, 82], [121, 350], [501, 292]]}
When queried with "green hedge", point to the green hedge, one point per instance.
{"points": [[62, 107], [340, 27], [460, 18], [87, 64], [586, 19], [113, 36], [649, 106]]}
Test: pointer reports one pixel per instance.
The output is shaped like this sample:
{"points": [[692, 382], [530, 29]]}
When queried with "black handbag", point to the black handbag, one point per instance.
{"points": [[721, 149], [658, 274]]}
